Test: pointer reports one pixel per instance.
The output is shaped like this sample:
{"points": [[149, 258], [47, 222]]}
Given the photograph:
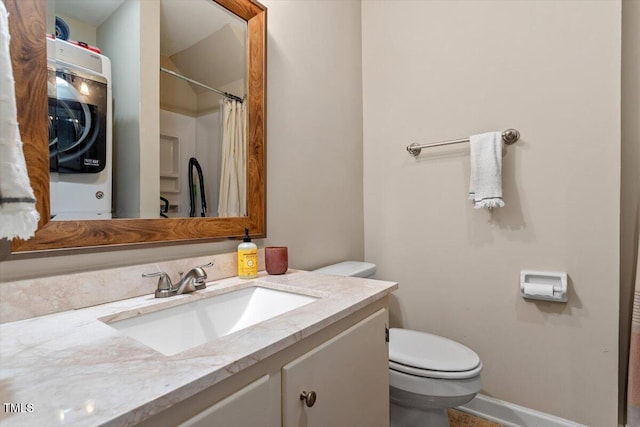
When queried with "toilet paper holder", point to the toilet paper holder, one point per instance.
{"points": [[544, 285]]}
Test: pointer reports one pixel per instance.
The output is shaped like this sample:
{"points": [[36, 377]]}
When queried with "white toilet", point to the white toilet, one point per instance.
{"points": [[427, 373]]}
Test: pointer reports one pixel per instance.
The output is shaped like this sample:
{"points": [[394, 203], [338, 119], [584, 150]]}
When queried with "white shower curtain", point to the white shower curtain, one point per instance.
{"points": [[232, 199]]}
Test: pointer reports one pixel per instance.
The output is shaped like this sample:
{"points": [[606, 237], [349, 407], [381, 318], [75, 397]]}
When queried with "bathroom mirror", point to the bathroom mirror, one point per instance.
{"points": [[194, 164], [31, 89]]}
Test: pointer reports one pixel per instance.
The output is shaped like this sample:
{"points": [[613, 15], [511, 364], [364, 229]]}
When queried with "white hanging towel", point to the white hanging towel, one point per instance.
{"points": [[485, 188], [18, 215]]}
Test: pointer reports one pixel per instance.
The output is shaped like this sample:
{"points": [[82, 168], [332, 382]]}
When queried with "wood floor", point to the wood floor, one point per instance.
{"points": [[461, 419]]}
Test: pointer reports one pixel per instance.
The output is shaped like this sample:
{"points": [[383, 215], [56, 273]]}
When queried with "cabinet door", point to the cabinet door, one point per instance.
{"points": [[350, 376], [251, 406]]}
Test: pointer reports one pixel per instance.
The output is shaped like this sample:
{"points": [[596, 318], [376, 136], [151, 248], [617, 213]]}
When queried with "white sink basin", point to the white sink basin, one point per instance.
{"points": [[179, 328]]}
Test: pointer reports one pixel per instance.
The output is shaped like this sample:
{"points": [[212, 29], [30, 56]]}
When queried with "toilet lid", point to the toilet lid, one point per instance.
{"points": [[430, 352]]}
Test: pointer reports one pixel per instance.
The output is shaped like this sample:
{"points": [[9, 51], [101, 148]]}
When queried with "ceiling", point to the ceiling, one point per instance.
{"points": [[182, 22], [93, 12]]}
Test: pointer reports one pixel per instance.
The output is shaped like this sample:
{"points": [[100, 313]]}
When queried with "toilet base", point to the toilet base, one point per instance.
{"points": [[409, 409], [403, 416]]}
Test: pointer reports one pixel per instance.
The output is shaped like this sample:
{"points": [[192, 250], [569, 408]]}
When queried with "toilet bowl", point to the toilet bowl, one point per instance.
{"points": [[427, 373]]}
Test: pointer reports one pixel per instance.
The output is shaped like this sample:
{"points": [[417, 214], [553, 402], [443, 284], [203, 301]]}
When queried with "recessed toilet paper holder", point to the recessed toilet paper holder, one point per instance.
{"points": [[544, 285]]}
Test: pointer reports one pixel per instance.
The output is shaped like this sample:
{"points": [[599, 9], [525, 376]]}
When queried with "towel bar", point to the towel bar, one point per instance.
{"points": [[509, 136]]}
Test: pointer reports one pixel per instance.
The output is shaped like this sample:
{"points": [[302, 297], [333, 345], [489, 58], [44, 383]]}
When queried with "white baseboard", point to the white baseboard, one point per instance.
{"points": [[510, 415]]}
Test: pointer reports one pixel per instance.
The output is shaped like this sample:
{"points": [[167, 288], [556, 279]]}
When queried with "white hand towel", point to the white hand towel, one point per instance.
{"points": [[18, 215], [485, 188]]}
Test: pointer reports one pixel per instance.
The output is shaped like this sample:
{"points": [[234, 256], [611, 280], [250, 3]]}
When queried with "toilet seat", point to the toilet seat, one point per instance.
{"points": [[426, 373], [431, 356]]}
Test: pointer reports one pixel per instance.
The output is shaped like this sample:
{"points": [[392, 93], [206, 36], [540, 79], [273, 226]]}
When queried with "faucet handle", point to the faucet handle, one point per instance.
{"points": [[165, 287], [209, 264], [201, 281], [201, 275]]}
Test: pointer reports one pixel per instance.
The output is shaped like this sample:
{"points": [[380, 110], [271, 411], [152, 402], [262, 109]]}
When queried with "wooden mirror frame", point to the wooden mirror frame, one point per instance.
{"points": [[29, 61]]}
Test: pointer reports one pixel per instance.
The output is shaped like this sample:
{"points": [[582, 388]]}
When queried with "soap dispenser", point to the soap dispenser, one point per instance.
{"points": [[247, 257]]}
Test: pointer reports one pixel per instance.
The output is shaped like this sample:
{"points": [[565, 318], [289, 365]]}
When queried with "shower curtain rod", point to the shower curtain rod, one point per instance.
{"points": [[180, 76]]}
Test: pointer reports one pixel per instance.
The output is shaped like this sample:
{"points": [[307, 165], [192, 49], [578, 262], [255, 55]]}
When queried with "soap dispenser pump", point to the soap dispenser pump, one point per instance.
{"points": [[247, 257]]}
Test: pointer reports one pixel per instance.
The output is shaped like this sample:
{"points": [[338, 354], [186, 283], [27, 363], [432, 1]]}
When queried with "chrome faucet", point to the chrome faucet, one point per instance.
{"points": [[195, 279]]}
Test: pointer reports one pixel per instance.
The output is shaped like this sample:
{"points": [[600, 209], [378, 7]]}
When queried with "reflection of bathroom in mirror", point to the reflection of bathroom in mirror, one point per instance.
{"points": [[173, 144], [202, 58]]}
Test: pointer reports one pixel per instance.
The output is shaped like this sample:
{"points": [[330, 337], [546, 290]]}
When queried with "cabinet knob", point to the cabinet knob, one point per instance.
{"points": [[309, 398]]}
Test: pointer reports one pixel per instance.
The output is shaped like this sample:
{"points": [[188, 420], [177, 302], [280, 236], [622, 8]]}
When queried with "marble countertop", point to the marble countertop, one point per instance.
{"points": [[72, 369]]}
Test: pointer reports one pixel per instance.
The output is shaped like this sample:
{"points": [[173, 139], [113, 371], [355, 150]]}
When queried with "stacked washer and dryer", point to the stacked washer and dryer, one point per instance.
{"points": [[427, 373], [80, 135]]}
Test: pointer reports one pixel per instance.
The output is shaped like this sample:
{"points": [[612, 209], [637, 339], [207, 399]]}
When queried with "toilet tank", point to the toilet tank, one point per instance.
{"points": [[350, 268]]}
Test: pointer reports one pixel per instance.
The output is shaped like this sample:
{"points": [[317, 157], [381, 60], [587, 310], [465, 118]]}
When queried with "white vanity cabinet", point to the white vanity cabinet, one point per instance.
{"points": [[345, 364], [349, 376], [248, 407]]}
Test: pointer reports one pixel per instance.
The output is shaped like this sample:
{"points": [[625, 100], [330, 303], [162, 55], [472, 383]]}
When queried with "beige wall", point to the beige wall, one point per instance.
{"points": [[119, 39], [436, 70], [149, 109], [78, 30], [176, 94], [130, 32], [315, 130], [630, 186], [314, 147]]}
